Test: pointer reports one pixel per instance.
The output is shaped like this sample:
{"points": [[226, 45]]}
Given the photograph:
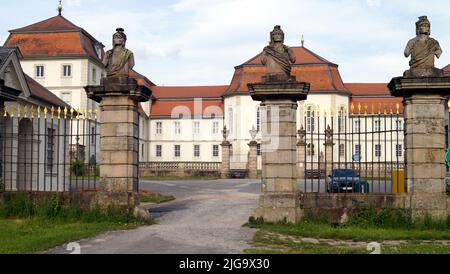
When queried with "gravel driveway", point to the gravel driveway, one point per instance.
{"points": [[206, 218]]}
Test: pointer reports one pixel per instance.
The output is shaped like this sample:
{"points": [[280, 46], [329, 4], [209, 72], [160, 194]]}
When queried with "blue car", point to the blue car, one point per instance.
{"points": [[346, 181]]}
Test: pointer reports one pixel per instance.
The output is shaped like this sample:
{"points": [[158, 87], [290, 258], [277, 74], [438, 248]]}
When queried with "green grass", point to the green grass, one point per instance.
{"points": [[28, 226], [31, 235], [156, 198], [265, 243], [364, 226], [175, 178]]}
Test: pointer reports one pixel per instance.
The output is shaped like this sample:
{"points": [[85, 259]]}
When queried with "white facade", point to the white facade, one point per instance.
{"points": [[185, 140]]}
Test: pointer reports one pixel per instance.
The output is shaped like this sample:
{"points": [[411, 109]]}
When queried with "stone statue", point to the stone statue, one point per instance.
{"points": [[118, 61], [423, 49], [277, 57]]}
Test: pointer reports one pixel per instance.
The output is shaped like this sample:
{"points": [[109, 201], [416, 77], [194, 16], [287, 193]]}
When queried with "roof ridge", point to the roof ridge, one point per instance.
{"points": [[316, 55], [24, 29]]}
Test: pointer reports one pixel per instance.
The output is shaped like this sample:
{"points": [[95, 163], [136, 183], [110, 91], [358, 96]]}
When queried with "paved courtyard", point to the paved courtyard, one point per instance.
{"points": [[206, 218]]}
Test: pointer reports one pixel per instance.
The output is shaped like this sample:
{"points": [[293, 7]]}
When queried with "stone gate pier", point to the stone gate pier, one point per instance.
{"points": [[424, 100], [119, 98], [279, 101]]}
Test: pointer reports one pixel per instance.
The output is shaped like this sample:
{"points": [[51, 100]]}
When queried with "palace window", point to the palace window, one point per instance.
{"points": [[258, 150], [215, 150], [196, 128], [378, 151], [357, 128], [196, 150], [67, 70], [230, 120], [215, 128], [341, 119], [177, 151], [177, 128], [159, 128], [310, 119], [377, 126], [94, 75], [40, 71], [399, 150], [399, 125], [341, 150], [358, 150], [159, 151], [50, 148], [258, 119], [93, 135]]}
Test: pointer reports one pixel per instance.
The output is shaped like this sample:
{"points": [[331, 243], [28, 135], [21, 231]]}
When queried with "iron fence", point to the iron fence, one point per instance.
{"points": [[48, 149], [358, 150]]}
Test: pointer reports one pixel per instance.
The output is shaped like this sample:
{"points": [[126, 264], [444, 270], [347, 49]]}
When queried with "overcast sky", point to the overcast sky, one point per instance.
{"points": [[199, 42]]}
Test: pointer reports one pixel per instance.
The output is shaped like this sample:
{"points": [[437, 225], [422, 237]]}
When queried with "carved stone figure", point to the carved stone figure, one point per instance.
{"points": [[120, 60], [423, 50], [277, 57]]}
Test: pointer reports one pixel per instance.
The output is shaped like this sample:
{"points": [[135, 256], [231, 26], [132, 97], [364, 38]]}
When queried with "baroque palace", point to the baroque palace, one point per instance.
{"points": [[184, 124]]}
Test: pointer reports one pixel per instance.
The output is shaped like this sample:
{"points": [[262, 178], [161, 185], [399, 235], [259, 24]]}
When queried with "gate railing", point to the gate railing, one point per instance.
{"points": [[358, 150], [48, 149]]}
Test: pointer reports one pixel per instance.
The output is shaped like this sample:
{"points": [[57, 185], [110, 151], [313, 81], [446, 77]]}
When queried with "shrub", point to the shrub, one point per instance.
{"points": [[447, 184], [78, 168]]}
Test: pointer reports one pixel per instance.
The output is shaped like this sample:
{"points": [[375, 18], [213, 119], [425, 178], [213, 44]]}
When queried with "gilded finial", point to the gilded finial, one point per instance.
{"points": [[59, 113], [45, 112], [52, 111], [32, 112], [65, 112], [398, 108], [5, 110]]}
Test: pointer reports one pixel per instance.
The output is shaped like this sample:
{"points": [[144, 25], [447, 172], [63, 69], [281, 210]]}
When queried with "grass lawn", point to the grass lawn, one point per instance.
{"points": [[31, 235], [30, 226], [393, 230]]}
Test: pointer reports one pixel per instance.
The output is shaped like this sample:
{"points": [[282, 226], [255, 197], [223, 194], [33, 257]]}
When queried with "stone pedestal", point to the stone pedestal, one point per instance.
{"points": [[328, 157], [119, 99], [279, 200], [424, 102], [225, 168], [253, 160], [301, 160]]}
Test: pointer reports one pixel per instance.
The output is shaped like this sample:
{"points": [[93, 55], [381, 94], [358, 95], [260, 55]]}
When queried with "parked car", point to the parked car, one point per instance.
{"points": [[346, 181]]}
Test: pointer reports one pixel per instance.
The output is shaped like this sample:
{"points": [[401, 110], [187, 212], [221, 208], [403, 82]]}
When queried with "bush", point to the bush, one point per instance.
{"points": [[447, 184], [20, 206], [78, 168]]}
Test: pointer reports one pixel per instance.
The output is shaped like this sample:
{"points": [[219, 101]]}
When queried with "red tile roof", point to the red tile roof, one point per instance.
{"points": [[141, 79], [41, 93], [53, 24], [368, 89], [446, 70], [309, 67], [205, 109], [189, 92], [54, 37]]}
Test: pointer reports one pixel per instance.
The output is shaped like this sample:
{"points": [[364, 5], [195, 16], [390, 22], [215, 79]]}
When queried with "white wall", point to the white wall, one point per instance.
{"points": [[186, 139]]}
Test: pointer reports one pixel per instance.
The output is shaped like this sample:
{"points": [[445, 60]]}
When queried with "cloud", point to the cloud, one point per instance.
{"points": [[74, 3], [199, 42], [374, 3]]}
